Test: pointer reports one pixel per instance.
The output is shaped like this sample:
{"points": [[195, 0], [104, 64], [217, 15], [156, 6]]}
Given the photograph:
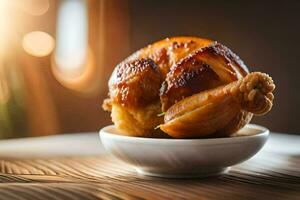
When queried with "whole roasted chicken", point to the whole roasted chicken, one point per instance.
{"points": [[186, 87]]}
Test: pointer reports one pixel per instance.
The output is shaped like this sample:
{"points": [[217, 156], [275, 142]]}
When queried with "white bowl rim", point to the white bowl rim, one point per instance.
{"points": [[106, 134]]}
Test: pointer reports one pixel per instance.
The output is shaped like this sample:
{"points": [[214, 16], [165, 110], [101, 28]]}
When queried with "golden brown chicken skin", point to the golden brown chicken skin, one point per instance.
{"points": [[206, 68], [133, 101], [134, 96], [168, 52], [200, 84], [221, 110], [136, 83]]}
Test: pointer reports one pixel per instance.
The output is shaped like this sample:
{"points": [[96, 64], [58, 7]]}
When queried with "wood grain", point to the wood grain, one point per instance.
{"points": [[272, 174], [103, 177]]}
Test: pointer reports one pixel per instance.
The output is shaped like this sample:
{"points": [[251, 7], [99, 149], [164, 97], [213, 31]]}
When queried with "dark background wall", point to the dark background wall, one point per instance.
{"points": [[265, 34]]}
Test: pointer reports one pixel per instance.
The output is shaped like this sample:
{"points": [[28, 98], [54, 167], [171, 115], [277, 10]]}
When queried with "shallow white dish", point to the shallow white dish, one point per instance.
{"points": [[177, 158]]}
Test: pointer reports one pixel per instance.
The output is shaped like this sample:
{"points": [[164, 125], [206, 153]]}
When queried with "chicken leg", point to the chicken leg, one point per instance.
{"points": [[221, 110]]}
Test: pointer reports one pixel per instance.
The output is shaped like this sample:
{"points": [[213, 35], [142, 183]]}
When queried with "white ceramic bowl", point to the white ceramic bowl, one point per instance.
{"points": [[184, 157]]}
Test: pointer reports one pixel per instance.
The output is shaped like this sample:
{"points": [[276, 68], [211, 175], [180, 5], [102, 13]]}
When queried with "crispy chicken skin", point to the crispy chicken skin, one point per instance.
{"points": [[134, 89], [134, 97], [163, 54], [202, 86], [202, 70], [222, 110], [136, 83], [168, 52]]}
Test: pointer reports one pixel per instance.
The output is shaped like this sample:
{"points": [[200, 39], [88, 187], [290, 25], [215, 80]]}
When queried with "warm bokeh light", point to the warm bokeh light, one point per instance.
{"points": [[33, 7], [38, 43], [72, 38], [83, 80], [6, 25], [73, 61]]}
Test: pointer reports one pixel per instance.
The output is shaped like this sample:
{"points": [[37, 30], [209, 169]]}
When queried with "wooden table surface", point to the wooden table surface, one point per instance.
{"points": [[76, 167]]}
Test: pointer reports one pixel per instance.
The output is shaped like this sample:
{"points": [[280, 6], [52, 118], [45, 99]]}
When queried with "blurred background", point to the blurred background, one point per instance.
{"points": [[57, 55]]}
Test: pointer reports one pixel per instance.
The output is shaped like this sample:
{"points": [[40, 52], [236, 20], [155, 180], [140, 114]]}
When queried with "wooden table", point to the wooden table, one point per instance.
{"points": [[76, 167]]}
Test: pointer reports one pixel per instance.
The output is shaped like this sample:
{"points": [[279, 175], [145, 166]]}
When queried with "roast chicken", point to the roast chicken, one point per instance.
{"points": [[186, 87]]}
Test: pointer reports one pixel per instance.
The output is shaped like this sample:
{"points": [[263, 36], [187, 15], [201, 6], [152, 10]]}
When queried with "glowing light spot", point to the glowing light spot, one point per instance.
{"points": [[72, 38], [38, 43], [73, 63]]}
